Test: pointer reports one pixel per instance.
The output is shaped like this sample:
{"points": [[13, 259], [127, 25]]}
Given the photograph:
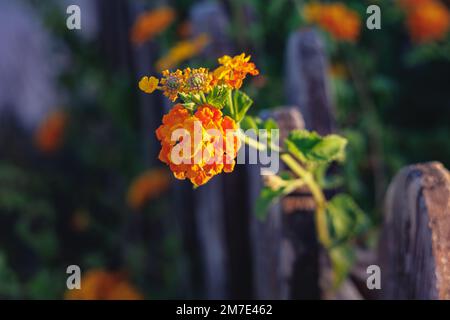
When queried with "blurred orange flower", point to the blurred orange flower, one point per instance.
{"points": [[182, 51], [151, 23], [407, 4], [336, 18], [312, 11], [148, 185], [50, 133], [205, 158], [234, 70], [104, 285], [428, 21]]}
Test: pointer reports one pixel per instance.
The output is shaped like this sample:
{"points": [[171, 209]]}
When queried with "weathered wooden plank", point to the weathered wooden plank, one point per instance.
{"points": [[285, 248], [209, 200], [415, 243], [210, 18], [307, 84]]}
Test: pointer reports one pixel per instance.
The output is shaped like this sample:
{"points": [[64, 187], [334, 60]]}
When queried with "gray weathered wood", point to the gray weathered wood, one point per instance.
{"points": [[210, 18], [415, 241], [210, 221], [307, 83], [284, 246]]}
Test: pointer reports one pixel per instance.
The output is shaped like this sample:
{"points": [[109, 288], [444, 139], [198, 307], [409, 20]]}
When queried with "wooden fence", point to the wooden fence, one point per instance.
{"points": [[234, 255]]}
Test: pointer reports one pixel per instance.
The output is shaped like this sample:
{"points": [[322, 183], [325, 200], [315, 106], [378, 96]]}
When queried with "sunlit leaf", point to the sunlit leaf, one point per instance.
{"points": [[311, 147]]}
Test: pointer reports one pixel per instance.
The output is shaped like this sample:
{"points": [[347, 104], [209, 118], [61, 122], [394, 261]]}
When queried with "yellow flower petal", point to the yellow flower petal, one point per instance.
{"points": [[148, 85]]}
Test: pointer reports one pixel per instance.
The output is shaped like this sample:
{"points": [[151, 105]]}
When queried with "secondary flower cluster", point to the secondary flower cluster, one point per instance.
{"points": [[99, 284], [151, 23], [336, 18], [199, 141], [231, 72], [427, 20], [148, 185]]}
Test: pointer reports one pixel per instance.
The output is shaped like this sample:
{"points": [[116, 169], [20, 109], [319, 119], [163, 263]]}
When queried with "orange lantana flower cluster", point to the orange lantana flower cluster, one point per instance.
{"points": [[234, 70], [197, 140], [336, 18], [427, 20], [231, 72], [206, 146], [104, 285], [151, 23]]}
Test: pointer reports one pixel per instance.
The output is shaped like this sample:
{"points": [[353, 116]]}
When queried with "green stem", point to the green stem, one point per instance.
{"points": [[319, 198], [256, 144], [202, 97], [250, 141], [230, 102]]}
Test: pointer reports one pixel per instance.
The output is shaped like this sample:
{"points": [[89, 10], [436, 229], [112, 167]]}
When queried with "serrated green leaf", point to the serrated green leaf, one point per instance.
{"points": [[345, 218], [217, 97], [241, 103], [311, 147], [236, 104]]}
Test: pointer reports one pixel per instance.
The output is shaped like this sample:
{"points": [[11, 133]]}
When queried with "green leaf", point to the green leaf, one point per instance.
{"points": [[190, 100], [319, 171], [311, 147], [236, 104], [46, 285], [267, 198], [242, 103], [342, 259], [217, 97], [228, 108], [255, 123], [249, 123], [346, 219], [270, 124]]}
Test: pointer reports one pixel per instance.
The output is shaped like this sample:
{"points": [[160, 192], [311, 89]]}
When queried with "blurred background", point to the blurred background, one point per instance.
{"points": [[80, 179]]}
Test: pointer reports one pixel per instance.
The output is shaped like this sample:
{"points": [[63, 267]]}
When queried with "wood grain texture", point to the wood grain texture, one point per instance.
{"points": [[415, 243], [307, 83], [215, 207]]}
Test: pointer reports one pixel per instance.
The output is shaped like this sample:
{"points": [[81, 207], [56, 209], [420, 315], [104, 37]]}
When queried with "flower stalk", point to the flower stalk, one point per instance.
{"points": [[319, 198]]}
